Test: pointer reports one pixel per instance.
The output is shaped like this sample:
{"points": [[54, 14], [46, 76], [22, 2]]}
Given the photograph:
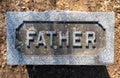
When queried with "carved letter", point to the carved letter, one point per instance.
{"points": [[90, 37], [77, 39], [64, 38], [30, 34], [41, 39], [51, 33]]}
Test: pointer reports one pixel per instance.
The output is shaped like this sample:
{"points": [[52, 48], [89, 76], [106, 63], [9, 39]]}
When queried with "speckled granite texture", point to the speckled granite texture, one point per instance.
{"points": [[14, 19]]}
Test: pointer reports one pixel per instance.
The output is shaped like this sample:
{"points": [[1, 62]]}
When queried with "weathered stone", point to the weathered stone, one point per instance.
{"points": [[60, 37], [67, 38]]}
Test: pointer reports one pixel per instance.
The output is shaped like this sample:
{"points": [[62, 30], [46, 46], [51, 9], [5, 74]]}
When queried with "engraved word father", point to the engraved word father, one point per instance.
{"points": [[77, 35]]}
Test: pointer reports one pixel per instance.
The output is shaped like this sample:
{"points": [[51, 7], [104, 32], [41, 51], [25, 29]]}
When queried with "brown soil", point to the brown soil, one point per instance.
{"points": [[7, 71]]}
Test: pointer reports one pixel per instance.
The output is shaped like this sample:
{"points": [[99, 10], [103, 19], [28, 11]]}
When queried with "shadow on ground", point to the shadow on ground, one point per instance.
{"points": [[67, 71]]}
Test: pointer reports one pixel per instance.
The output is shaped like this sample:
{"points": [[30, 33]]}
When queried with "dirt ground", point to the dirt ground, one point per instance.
{"points": [[7, 71]]}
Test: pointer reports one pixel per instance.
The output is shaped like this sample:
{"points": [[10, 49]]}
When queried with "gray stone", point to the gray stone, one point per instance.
{"points": [[101, 23]]}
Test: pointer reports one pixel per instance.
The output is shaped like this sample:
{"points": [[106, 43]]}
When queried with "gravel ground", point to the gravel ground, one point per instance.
{"points": [[7, 71]]}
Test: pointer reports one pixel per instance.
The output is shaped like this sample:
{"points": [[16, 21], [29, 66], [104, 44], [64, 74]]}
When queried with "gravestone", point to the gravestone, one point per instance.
{"points": [[60, 38]]}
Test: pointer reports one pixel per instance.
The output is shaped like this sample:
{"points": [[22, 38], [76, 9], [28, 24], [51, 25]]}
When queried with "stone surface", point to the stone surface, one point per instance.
{"points": [[60, 45], [105, 56]]}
